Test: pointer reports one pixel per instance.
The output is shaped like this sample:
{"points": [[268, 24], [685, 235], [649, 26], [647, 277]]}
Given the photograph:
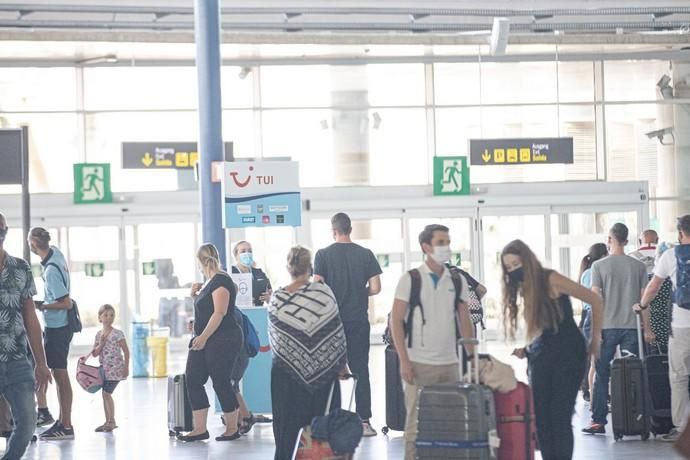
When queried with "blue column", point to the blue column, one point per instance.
{"points": [[207, 30]]}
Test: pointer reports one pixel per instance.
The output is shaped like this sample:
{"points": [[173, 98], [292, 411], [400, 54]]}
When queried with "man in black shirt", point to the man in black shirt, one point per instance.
{"points": [[352, 272]]}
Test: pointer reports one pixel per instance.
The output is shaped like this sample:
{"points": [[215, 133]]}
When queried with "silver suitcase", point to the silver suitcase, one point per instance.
{"points": [[457, 421], [179, 408]]}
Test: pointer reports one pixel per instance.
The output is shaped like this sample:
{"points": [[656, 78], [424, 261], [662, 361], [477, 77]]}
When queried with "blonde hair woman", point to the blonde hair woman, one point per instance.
{"points": [[214, 348]]}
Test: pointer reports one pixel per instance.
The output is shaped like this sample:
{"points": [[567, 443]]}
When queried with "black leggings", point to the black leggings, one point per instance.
{"points": [[216, 361], [555, 375], [294, 407]]}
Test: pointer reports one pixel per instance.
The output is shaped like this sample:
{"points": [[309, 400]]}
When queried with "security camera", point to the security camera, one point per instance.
{"points": [[660, 134]]}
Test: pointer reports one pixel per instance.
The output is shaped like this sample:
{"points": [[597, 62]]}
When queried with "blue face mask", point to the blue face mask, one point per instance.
{"points": [[247, 259]]}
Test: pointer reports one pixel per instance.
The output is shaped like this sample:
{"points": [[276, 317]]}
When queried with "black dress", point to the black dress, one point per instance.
{"points": [[556, 367]]}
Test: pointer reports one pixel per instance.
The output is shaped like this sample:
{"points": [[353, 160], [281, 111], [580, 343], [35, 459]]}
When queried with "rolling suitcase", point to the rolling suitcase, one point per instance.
{"points": [[516, 424], [457, 421], [395, 397], [629, 398], [659, 393], [179, 408]]}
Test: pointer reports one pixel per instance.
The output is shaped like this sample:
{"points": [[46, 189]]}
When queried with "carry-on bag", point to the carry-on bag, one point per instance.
{"points": [[659, 387], [457, 421], [333, 436], [179, 408], [629, 397], [516, 423], [89, 377], [395, 397]]}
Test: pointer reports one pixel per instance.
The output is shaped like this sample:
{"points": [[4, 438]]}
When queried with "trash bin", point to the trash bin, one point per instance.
{"points": [[140, 350], [159, 355]]}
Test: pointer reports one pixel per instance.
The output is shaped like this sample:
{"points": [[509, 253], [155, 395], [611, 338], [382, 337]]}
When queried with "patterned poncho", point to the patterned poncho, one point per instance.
{"points": [[307, 336]]}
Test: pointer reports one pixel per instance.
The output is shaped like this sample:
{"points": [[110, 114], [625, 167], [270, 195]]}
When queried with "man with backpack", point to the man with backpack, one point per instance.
{"points": [[429, 314], [674, 263], [57, 335]]}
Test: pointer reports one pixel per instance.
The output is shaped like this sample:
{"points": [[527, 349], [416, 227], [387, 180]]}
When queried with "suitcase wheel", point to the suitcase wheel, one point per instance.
{"points": [[384, 430], [645, 436], [172, 433], [617, 436]]}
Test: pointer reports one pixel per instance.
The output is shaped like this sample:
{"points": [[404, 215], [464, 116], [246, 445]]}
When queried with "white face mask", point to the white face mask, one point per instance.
{"points": [[441, 254]]}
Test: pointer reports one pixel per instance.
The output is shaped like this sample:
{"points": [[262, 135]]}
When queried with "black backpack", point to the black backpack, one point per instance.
{"points": [[73, 316], [416, 302]]}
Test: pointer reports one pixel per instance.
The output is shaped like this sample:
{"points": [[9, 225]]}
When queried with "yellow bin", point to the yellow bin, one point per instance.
{"points": [[159, 355]]}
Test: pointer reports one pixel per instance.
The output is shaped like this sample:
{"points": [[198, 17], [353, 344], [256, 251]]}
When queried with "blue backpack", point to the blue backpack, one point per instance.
{"points": [[251, 336], [682, 294]]}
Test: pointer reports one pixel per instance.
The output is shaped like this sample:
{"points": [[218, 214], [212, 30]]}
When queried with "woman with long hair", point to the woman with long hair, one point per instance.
{"points": [[596, 251], [557, 352], [214, 348], [309, 351]]}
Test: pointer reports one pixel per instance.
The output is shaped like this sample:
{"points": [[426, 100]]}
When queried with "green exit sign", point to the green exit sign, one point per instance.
{"points": [[94, 270], [148, 268], [451, 176]]}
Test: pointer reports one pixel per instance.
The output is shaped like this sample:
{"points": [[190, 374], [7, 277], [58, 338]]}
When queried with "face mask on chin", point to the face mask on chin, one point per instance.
{"points": [[441, 254]]}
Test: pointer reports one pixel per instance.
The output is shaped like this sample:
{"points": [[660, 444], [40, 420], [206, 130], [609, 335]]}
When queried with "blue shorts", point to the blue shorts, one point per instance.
{"points": [[109, 386]]}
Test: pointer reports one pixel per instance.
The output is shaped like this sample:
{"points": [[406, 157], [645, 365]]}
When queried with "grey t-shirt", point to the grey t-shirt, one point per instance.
{"points": [[621, 280]]}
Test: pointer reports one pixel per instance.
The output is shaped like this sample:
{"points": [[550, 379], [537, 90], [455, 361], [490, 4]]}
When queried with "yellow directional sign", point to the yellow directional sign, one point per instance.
{"points": [[486, 156], [147, 160], [162, 155], [548, 150]]}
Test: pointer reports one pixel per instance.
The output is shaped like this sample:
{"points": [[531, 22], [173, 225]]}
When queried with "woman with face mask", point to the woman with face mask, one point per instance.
{"points": [[261, 285], [557, 353]]}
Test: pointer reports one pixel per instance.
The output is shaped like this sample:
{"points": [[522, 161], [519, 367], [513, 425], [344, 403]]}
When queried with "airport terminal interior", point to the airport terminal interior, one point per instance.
{"points": [[127, 128]]}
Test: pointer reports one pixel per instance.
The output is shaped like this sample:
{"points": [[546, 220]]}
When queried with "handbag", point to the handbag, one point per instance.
{"points": [[496, 375], [90, 377]]}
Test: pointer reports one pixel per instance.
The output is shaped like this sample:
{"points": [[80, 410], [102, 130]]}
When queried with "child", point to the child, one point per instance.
{"points": [[110, 346]]}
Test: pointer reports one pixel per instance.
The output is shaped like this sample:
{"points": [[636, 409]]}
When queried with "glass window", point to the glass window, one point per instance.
{"points": [[295, 86], [456, 84], [631, 155], [305, 136], [398, 159], [575, 81], [53, 147], [396, 84], [632, 80], [455, 128], [23, 89], [516, 83]]}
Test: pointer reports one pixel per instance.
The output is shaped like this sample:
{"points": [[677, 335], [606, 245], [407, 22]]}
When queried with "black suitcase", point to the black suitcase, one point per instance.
{"points": [[659, 393], [629, 397], [395, 397]]}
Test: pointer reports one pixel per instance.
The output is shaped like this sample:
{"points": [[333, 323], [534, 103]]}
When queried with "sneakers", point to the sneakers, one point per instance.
{"points": [[595, 428], [57, 432], [367, 430], [672, 436], [44, 418]]}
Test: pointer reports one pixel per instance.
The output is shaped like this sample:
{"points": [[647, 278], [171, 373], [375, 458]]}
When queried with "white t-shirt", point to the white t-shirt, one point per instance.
{"points": [[433, 342], [666, 267]]}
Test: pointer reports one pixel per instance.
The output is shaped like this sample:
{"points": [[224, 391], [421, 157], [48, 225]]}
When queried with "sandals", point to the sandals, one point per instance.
{"points": [[247, 424], [105, 428]]}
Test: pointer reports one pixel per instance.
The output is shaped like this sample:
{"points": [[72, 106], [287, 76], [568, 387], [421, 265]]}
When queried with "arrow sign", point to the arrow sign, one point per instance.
{"points": [[147, 160], [486, 156]]}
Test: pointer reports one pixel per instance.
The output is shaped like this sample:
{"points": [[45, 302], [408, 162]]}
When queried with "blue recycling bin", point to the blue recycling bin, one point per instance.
{"points": [[140, 350]]}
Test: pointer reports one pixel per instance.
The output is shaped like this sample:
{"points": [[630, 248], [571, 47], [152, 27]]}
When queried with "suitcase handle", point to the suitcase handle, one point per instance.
{"points": [[640, 339], [337, 382], [473, 368]]}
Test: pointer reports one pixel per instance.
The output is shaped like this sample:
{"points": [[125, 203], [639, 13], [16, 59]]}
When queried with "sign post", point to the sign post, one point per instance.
{"points": [[92, 183], [261, 194], [551, 150], [451, 176]]}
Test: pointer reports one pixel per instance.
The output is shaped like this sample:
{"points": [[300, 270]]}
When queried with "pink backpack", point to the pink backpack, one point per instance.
{"points": [[89, 377]]}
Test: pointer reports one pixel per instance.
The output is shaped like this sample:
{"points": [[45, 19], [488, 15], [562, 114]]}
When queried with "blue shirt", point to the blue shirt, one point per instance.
{"points": [[586, 281], [55, 287]]}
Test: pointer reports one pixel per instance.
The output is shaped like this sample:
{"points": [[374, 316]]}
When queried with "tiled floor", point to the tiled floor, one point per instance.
{"points": [[140, 408]]}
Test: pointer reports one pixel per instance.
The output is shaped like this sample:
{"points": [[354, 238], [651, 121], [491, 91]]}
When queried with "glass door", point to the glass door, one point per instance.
{"points": [[498, 227]]}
